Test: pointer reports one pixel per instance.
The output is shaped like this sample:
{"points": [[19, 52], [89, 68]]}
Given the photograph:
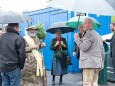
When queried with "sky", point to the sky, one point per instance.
{"points": [[22, 5]]}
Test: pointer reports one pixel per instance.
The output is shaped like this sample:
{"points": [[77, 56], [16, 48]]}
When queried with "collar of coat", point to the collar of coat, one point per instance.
{"points": [[9, 29]]}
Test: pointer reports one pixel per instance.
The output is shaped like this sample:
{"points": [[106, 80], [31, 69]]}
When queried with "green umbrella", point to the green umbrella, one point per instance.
{"points": [[75, 21]]}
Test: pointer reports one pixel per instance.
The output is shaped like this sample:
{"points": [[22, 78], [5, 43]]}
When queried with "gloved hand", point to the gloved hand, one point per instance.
{"points": [[74, 53]]}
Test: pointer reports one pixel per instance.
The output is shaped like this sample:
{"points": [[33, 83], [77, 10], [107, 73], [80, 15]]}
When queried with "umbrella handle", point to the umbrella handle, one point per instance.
{"points": [[78, 21]]}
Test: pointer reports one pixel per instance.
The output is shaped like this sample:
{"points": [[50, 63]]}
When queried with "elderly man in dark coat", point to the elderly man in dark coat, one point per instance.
{"points": [[0, 73], [0, 31], [76, 51], [112, 45]]}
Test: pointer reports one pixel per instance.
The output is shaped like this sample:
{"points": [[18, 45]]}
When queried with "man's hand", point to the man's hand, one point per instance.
{"points": [[35, 47], [74, 53], [76, 35], [43, 45]]}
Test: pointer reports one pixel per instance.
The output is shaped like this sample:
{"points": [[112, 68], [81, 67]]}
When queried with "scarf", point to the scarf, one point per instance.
{"points": [[59, 39]]}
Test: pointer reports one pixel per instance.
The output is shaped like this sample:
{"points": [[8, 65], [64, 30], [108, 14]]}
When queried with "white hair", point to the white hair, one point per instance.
{"points": [[89, 20]]}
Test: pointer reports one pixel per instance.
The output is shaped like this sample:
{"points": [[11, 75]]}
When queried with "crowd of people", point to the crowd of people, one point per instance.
{"points": [[22, 53]]}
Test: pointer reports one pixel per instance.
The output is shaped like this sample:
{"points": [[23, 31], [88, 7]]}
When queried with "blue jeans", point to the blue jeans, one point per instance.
{"points": [[12, 78]]}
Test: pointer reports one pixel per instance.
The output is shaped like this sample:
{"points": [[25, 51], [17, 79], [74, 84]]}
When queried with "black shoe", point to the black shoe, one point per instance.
{"points": [[53, 82], [60, 83]]}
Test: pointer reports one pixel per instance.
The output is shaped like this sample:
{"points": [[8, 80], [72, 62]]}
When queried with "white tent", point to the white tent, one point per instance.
{"points": [[107, 36]]}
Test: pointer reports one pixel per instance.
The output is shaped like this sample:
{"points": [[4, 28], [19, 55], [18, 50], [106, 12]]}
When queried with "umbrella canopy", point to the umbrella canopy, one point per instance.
{"points": [[60, 26], [100, 7], [73, 22], [13, 17], [112, 3]]}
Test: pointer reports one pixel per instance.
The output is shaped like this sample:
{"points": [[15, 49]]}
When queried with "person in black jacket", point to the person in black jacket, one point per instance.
{"points": [[0, 31], [0, 73], [12, 55], [112, 45], [76, 51]]}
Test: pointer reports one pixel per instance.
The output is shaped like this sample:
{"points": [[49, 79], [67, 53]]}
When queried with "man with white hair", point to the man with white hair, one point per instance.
{"points": [[34, 67], [91, 53]]}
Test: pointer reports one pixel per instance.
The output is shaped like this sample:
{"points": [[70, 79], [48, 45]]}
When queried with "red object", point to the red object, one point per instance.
{"points": [[59, 39]]}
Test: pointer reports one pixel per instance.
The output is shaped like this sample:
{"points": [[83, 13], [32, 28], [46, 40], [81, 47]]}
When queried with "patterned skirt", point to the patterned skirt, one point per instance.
{"points": [[29, 72]]}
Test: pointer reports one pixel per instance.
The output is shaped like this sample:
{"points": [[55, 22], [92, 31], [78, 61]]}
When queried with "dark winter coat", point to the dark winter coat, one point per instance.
{"points": [[12, 51]]}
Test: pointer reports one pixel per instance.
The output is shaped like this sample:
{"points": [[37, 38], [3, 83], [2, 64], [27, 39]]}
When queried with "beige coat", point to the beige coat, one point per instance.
{"points": [[91, 50]]}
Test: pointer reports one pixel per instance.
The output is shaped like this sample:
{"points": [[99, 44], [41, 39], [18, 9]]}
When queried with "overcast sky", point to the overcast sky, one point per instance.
{"points": [[21, 5]]}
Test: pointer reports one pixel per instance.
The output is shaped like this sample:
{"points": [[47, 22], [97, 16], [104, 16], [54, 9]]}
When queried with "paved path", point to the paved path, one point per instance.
{"points": [[70, 80]]}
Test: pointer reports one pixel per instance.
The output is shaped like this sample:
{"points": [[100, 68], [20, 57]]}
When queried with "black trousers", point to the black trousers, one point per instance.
{"points": [[0, 80], [113, 63]]}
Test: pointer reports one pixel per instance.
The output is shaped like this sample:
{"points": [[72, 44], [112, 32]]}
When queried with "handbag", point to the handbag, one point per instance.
{"points": [[68, 59]]}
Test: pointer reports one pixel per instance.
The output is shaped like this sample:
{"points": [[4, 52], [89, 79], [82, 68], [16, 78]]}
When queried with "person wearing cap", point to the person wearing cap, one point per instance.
{"points": [[0, 73], [0, 31], [12, 55], [59, 67], [33, 70]]}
